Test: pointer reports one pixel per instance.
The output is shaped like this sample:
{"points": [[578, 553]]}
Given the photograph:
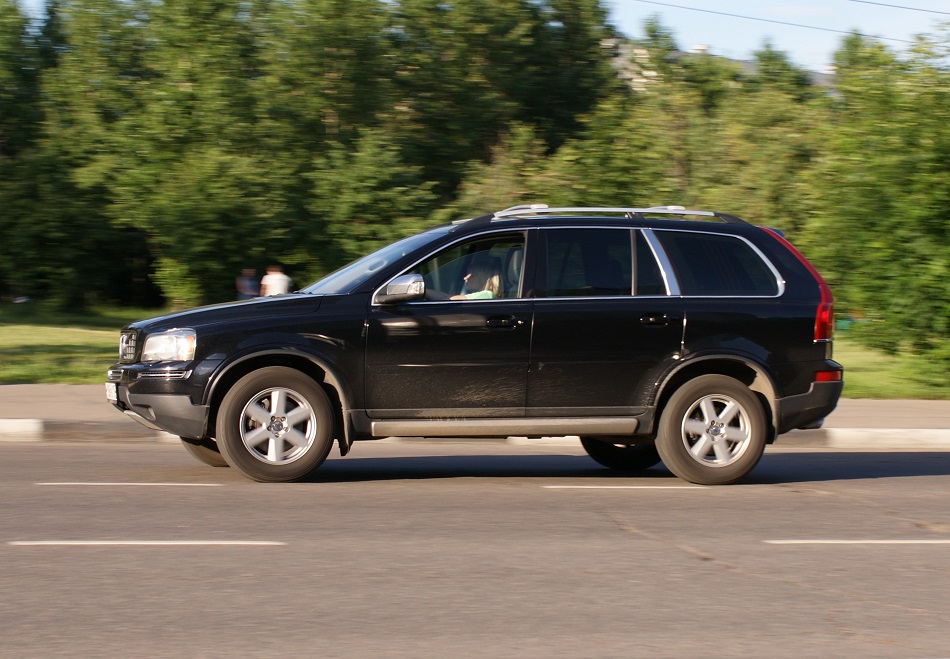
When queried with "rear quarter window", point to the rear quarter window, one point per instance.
{"points": [[717, 265]]}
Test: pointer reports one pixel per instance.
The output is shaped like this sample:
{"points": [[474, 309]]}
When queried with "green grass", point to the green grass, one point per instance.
{"points": [[40, 353], [40, 347], [873, 374]]}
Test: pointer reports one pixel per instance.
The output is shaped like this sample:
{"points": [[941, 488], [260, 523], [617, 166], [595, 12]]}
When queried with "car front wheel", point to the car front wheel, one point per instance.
{"points": [[275, 425], [712, 431]]}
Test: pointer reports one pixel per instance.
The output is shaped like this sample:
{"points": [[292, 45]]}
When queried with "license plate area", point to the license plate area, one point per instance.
{"points": [[111, 394]]}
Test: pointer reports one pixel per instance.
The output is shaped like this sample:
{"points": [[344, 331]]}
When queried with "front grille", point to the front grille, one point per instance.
{"points": [[128, 347]]}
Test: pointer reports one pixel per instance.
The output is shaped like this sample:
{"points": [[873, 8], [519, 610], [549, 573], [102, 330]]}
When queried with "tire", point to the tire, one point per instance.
{"points": [[623, 457], [275, 425], [712, 431], [205, 450]]}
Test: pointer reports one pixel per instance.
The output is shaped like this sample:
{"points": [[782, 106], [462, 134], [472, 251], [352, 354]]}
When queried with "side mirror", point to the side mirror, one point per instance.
{"points": [[402, 289]]}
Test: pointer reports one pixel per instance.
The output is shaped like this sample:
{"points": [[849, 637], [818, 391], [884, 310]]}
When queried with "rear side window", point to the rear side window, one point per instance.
{"points": [[711, 264], [587, 262]]}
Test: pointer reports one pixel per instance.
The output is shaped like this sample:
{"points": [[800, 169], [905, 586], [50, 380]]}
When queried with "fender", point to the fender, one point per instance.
{"points": [[762, 383], [330, 377]]}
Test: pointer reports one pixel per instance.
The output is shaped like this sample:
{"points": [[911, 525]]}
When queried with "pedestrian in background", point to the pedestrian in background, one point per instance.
{"points": [[246, 284], [275, 282]]}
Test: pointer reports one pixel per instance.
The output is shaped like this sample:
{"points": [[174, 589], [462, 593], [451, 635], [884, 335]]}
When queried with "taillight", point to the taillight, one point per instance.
{"points": [[828, 376], [825, 313], [825, 316]]}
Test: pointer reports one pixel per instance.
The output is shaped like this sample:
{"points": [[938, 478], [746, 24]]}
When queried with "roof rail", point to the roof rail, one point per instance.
{"points": [[633, 213]]}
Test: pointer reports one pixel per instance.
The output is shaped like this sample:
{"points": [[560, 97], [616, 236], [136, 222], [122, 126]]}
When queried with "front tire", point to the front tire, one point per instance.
{"points": [[275, 425], [712, 431], [204, 450], [623, 457]]}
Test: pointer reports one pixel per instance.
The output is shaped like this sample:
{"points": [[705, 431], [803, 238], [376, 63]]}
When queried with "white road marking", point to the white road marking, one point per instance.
{"points": [[623, 487], [857, 542], [143, 543], [91, 484]]}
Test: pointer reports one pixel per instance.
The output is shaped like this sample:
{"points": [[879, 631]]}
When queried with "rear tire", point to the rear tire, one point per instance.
{"points": [[205, 450], [712, 431], [275, 425], [622, 457]]}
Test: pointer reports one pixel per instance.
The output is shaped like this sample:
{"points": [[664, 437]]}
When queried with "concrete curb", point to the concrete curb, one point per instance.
{"points": [[128, 432], [45, 430]]}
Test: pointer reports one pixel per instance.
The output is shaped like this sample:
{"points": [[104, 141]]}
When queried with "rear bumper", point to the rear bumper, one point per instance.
{"points": [[809, 409]]}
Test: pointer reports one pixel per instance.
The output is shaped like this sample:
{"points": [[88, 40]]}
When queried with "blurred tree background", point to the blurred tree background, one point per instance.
{"points": [[150, 149]]}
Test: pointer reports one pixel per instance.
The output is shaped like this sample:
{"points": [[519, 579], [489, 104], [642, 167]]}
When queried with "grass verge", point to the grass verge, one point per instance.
{"points": [[39, 346], [872, 374]]}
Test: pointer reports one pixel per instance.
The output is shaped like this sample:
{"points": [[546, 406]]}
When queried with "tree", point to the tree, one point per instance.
{"points": [[466, 70], [55, 242], [180, 161], [363, 198], [517, 173], [774, 70], [19, 107], [882, 196]]}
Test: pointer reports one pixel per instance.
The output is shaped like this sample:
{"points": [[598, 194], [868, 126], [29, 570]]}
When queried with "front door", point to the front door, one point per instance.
{"points": [[463, 350]]}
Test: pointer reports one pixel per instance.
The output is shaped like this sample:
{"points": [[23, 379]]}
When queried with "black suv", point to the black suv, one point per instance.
{"points": [[653, 334]]}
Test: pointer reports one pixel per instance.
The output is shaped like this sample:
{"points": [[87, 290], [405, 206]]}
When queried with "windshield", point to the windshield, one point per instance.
{"points": [[351, 276]]}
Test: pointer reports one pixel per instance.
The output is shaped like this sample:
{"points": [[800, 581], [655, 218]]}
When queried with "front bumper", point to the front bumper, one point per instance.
{"points": [[155, 404]]}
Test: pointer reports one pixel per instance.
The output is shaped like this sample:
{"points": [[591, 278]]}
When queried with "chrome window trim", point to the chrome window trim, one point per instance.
{"points": [[666, 268]]}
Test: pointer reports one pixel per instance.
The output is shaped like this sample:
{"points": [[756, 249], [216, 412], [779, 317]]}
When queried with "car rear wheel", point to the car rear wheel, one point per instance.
{"points": [[275, 425], [205, 450], [623, 457], [712, 431]]}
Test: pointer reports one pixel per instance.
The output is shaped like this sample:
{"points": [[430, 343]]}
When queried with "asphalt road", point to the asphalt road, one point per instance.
{"points": [[409, 550]]}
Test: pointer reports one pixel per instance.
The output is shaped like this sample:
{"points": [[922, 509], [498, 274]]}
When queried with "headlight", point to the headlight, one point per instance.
{"points": [[174, 345]]}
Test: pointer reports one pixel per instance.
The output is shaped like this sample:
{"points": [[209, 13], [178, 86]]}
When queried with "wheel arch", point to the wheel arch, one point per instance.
{"points": [[316, 369], [747, 371]]}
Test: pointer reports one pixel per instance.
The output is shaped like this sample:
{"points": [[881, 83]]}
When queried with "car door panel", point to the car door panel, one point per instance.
{"points": [[452, 358]]}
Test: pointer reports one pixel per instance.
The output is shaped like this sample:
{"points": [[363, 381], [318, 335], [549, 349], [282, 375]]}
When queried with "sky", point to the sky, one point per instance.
{"points": [[738, 38]]}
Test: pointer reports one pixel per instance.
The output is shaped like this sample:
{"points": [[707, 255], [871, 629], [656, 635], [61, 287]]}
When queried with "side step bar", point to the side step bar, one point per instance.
{"points": [[533, 427]]}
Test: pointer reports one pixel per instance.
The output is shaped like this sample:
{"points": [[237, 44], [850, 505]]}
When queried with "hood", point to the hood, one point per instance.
{"points": [[282, 305]]}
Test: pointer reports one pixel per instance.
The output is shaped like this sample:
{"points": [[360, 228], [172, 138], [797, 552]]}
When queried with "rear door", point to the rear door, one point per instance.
{"points": [[605, 327]]}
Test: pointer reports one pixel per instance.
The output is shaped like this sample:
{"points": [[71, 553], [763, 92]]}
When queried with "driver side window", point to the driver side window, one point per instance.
{"points": [[489, 267]]}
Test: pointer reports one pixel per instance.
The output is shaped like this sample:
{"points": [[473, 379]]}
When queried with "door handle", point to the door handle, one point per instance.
{"points": [[655, 320], [504, 322]]}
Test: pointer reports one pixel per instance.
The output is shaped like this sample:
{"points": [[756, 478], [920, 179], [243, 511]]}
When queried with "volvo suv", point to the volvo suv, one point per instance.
{"points": [[653, 334]]}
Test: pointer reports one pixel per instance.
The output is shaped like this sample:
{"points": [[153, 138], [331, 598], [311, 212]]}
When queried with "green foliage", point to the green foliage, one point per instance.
{"points": [[884, 182], [516, 174], [364, 198], [177, 282]]}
